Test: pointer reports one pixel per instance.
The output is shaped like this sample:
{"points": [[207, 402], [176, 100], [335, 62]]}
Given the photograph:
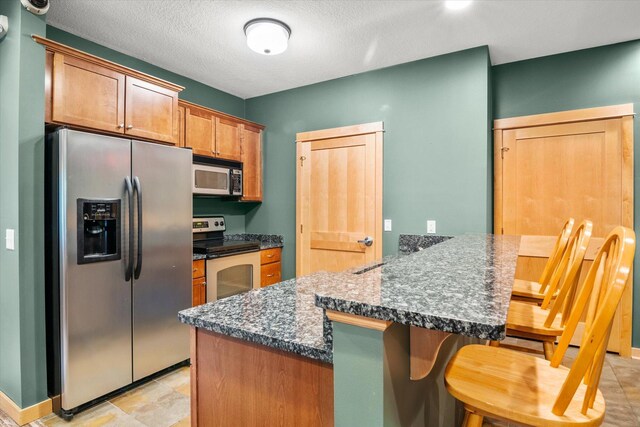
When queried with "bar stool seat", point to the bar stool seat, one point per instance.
{"points": [[516, 386], [528, 318], [527, 289]]}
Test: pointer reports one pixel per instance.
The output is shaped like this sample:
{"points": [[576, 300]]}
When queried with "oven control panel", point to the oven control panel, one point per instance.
{"points": [[204, 225]]}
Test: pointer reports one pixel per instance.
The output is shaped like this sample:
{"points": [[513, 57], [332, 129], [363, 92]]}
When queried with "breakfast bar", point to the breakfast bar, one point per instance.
{"points": [[367, 346]]}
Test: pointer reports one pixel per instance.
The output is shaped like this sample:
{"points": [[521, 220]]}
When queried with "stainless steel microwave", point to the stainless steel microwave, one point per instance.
{"points": [[216, 177]]}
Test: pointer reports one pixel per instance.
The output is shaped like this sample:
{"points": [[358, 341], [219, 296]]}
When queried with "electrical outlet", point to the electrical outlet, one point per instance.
{"points": [[431, 226], [9, 237], [387, 225]]}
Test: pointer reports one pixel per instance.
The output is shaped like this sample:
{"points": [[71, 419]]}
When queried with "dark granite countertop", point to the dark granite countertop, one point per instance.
{"points": [[459, 286]]}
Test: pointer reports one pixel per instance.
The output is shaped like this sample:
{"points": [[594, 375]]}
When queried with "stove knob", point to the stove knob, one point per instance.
{"points": [[221, 223], [216, 223]]}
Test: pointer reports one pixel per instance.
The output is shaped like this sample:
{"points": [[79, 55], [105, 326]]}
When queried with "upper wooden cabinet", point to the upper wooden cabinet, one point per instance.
{"points": [[89, 92], [212, 133], [227, 139], [151, 111], [209, 134], [200, 131], [72, 81], [252, 163]]}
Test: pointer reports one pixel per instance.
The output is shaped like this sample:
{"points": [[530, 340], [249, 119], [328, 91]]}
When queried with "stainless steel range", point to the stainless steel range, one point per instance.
{"points": [[233, 266]]}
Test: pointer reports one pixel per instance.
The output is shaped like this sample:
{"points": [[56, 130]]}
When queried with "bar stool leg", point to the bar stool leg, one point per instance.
{"points": [[472, 419], [548, 349]]}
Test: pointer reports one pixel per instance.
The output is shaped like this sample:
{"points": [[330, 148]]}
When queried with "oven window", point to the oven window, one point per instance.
{"points": [[210, 179], [234, 280]]}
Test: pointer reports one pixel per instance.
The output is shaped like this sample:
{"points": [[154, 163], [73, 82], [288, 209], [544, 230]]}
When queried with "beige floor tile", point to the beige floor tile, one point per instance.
{"points": [[103, 415], [185, 422], [177, 378]]}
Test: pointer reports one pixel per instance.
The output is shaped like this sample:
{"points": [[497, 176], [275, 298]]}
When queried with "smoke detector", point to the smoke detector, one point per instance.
{"points": [[37, 7]]}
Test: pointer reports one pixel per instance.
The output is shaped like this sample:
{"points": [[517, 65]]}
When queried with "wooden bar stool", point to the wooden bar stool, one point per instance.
{"points": [[543, 323], [522, 388], [535, 291]]}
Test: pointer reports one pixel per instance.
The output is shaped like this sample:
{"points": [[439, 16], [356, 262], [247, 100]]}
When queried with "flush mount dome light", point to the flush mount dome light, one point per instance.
{"points": [[457, 4], [267, 36]]}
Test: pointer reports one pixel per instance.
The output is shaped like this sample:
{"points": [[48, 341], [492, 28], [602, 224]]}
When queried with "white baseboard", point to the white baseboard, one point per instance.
{"points": [[635, 353]]}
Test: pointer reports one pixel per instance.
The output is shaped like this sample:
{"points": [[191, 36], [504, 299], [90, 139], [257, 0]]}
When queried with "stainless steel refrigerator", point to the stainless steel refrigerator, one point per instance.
{"points": [[119, 263]]}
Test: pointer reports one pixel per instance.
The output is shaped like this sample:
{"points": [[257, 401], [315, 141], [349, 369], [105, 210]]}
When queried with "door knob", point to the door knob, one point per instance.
{"points": [[367, 241], [130, 127]]}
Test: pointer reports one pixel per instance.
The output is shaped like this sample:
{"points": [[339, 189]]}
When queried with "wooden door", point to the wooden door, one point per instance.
{"points": [[227, 139], [87, 95], [151, 111], [554, 166], [339, 198], [200, 131], [251, 157]]}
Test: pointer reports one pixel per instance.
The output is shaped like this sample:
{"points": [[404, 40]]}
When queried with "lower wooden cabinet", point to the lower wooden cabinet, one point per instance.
{"points": [[270, 267], [199, 289]]}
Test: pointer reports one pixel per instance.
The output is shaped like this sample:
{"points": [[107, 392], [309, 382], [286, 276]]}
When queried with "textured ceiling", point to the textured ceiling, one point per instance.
{"points": [[204, 40]]}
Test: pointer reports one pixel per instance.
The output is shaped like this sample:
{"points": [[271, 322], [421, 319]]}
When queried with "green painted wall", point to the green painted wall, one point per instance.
{"points": [[22, 339], [436, 144], [596, 77]]}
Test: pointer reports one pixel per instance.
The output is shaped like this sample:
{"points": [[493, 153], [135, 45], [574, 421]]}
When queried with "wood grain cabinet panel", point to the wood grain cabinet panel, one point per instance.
{"points": [[200, 131], [270, 274], [182, 111], [198, 268], [199, 293], [270, 255], [227, 139], [270, 267], [86, 94], [251, 144], [151, 111]]}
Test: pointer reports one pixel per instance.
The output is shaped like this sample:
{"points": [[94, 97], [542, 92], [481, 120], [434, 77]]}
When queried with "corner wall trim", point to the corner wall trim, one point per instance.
{"points": [[24, 416]]}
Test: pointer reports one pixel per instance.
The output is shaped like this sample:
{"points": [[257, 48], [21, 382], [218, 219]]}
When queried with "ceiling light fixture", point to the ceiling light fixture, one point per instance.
{"points": [[267, 36], [457, 4]]}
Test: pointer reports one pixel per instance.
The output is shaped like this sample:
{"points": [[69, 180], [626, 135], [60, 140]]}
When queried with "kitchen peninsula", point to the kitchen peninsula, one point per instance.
{"points": [[363, 347]]}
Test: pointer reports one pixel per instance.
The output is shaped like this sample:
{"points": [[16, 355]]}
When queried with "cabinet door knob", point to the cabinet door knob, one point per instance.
{"points": [[121, 125], [269, 275], [270, 256], [130, 127]]}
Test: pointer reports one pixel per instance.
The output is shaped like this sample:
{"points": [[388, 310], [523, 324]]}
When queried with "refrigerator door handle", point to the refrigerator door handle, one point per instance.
{"points": [[129, 188], [138, 189]]}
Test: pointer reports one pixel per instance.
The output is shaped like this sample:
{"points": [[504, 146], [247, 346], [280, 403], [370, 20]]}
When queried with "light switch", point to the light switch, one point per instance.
{"points": [[431, 226], [387, 225], [9, 237]]}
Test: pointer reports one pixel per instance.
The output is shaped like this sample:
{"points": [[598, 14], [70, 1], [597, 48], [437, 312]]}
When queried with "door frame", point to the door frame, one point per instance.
{"points": [[376, 128], [623, 112]]}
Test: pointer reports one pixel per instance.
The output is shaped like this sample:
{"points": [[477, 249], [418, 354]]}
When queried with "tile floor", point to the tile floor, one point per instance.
{"points": [[164, 402]]}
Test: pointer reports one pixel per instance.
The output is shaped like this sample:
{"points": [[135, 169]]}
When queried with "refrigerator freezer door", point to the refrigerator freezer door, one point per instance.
{"points": [[95, 299], [164, 285]]}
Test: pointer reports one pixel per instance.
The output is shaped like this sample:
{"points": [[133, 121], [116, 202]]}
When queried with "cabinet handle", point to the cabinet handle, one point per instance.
{"points": [[269, 275], [121, 125], [195, 269], [270, 256], [130, 127]]}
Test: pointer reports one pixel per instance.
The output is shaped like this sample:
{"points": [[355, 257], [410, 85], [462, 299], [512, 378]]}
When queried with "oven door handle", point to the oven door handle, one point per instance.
{"points": [[138, 188], [129, 189]]}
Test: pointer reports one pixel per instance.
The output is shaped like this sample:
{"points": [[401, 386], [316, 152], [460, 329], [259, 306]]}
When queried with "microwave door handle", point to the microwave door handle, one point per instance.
{"points": [[138, 188], [129, 188], [230, 181]]}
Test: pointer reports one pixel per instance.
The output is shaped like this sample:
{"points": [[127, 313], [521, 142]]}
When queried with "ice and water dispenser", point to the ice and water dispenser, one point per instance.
{"points": [[99, 224]]}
